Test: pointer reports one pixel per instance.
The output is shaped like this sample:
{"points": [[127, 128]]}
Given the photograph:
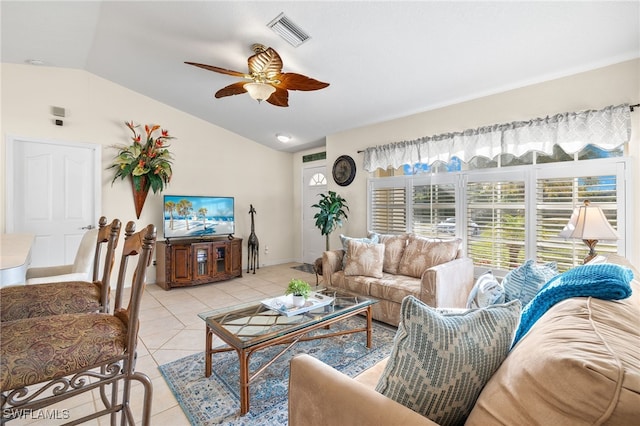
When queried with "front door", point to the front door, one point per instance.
{"points": [[314, 182], [53, 192]]}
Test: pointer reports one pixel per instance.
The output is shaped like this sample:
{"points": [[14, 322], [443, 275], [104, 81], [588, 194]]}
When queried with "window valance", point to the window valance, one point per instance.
{"points": [[607, 128]]}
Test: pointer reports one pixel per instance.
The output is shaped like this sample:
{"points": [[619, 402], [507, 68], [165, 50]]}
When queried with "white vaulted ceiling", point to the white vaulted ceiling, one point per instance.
{"points": [[383, 60]]}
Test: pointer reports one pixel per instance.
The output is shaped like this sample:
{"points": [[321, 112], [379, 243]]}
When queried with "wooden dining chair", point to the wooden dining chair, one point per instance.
{"points": [[69, 296], [70, 354]]}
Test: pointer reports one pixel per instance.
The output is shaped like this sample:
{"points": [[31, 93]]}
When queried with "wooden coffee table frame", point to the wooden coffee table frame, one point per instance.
{"points": [[288, 338]]}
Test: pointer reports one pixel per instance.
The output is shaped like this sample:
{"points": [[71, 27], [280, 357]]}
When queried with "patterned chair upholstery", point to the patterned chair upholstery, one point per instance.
{"points": [[74, 353], [67, 297]]}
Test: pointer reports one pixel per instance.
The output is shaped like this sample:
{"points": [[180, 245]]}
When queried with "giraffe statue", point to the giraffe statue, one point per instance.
{"points": [[253, 245]]}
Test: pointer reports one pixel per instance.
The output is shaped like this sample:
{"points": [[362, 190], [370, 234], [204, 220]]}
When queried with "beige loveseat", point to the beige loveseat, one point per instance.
{"points": [[434, 271], [578, 365]]}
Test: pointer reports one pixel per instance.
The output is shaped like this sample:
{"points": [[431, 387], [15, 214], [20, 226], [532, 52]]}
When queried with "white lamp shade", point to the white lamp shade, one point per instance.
{"points": [[590, 224], [259, 91]]}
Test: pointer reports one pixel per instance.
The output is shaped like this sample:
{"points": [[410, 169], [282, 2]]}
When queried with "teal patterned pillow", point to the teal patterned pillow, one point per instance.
{"points": [[524, 282], [373, 239], [440, 362]]}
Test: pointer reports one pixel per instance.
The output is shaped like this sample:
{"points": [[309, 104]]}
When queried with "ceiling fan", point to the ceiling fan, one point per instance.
{"points": [[266, 79]]}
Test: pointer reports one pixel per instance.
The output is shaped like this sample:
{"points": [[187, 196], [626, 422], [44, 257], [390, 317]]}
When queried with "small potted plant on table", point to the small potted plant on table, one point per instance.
{"points": [[300, 290]]}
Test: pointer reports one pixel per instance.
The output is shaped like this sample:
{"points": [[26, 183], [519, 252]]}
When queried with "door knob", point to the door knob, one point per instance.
{"points": [[88, 227]]}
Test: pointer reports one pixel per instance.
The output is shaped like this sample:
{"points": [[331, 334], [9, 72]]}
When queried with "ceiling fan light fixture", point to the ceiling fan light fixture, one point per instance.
{"points": [[259, 91], [266, 79]]}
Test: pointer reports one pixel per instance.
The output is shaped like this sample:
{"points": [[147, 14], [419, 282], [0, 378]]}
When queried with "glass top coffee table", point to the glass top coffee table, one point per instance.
{"points": [[252, 326]]}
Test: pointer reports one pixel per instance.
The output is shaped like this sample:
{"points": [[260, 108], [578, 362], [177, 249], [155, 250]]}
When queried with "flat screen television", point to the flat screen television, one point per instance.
{"points": [[187, 216]]}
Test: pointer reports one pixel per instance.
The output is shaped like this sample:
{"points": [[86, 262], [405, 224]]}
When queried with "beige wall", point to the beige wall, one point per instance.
{"points": [[612, 85], [208, 159], [263, 177]]}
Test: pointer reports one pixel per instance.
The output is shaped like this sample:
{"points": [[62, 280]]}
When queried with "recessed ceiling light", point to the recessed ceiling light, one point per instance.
{"points": [[283, 138], [34, 62]]}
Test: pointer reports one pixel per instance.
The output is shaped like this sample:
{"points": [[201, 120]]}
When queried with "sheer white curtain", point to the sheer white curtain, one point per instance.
{"points": [[607, 128]]}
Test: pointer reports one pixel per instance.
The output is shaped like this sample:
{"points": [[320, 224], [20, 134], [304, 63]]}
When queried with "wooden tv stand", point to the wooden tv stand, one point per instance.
{"points": [[194, 261]]}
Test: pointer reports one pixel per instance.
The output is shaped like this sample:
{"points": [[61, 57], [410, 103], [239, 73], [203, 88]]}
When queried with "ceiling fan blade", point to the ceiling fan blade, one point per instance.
{"points": [[293, 81], [279, 98], [232, 89], [265, 67], [267, 62], [220, 70]]}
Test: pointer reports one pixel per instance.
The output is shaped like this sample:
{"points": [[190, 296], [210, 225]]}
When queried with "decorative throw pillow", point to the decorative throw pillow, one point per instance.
{"points": [[487, 291], [524, 282], [394, 246], [440, 362], [603, 280], [364, 259], [423, 253], [373, 239]]}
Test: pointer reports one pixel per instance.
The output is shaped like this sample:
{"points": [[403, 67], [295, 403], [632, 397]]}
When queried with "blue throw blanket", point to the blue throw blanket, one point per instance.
{"points": [[603, 281]]}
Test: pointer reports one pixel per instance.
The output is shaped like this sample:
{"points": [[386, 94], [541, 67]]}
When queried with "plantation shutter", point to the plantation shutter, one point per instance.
{"points": [[497, 207], [556, 200], [434, 210], [388, 207], [510, 215]]}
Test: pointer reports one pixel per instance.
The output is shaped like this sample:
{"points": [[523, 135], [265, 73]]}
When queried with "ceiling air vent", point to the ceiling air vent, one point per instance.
{"points": [[289, 31]]}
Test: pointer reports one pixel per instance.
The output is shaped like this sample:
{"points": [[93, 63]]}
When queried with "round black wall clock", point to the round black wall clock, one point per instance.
{"points": [[344, 170]]}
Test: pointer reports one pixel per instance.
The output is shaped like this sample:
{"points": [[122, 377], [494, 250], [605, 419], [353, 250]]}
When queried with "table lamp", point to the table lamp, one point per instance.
{"points": [[589, 224]]}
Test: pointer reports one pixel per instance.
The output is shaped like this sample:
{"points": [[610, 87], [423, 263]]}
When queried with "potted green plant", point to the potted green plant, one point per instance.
{"points": [[333, 210], [300, 290]]}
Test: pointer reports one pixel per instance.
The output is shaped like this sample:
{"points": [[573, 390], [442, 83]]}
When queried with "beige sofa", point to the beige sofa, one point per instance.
{"points": [[578, 365], [433, 271]]}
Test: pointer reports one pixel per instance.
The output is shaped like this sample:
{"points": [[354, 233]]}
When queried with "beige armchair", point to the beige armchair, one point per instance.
{"points": [[344, 401], [80, 270]]}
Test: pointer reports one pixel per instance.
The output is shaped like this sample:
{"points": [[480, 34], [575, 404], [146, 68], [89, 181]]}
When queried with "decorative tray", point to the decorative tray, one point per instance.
{"points": [[284, 304]]}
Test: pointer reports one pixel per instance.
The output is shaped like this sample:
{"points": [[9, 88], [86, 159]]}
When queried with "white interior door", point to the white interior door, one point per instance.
{"points": [[53, 192], [314, 182]]}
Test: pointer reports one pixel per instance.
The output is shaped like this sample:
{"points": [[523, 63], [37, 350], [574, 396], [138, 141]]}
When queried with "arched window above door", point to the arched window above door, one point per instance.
{"points": [[318, 179]]}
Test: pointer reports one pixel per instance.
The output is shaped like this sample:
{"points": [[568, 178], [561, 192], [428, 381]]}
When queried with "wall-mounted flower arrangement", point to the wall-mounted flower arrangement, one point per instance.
{"points": [[146, 162]]}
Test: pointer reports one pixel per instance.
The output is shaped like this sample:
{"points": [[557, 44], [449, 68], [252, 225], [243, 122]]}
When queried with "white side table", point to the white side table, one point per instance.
{"points": [[15, 258]]}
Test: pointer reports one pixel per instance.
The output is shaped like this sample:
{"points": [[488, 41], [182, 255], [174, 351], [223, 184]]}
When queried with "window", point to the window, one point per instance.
{"points": [[318, 179], [387, 201], [558, 193], [434, 209], [506, 215], [495, 203]]}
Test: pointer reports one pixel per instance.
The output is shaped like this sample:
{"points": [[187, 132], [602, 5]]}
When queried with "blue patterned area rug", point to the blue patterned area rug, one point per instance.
{"points": [[215, 400]]}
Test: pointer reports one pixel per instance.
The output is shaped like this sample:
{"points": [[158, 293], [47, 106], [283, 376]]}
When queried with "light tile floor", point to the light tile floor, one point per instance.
{"points": [[170, 329]]}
